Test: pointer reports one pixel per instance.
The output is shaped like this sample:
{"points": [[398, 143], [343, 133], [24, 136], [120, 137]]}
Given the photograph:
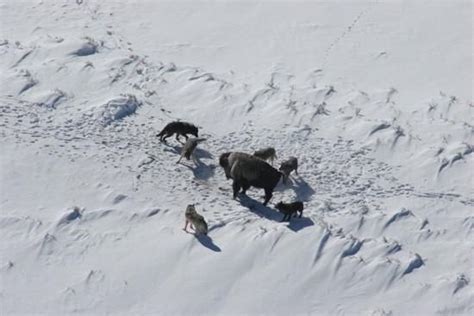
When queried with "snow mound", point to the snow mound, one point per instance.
{"points": [[116, 109]]}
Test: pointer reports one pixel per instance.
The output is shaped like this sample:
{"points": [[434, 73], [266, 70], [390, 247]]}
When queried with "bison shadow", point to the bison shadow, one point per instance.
{"points": [[207, 242], [259, 209], [296, 223]]}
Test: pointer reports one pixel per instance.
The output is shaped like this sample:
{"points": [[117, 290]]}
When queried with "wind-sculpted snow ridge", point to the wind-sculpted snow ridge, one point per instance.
{"points": [[93, 203], [116, 109]]}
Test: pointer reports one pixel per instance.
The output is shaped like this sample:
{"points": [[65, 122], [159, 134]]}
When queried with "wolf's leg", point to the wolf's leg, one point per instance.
{"points": [[186, 226], [168, 134], [183, 153]]}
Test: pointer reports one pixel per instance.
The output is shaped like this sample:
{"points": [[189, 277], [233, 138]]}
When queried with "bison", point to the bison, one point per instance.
{"points": [[246, 171]]}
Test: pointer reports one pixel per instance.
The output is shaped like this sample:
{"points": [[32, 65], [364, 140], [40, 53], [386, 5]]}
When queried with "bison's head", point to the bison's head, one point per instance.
{"points": [[224, 160]]}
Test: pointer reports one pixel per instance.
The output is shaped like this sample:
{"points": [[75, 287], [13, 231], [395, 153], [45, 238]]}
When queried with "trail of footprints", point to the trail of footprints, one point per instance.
{"points": [[340, 179]]}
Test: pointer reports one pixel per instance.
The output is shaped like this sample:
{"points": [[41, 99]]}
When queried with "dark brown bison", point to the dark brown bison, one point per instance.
{"points": [[246, 171]]}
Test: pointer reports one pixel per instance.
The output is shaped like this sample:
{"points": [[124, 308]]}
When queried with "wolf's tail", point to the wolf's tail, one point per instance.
{"points": [[201, 227]]}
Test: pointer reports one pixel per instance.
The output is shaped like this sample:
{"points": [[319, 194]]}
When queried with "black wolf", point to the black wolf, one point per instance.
{"points": [[178, 128], [288, 209]]}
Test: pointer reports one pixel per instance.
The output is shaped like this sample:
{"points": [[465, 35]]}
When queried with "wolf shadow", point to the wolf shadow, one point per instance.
{"points": [[207, 242], [200, 169], [302, 189]]}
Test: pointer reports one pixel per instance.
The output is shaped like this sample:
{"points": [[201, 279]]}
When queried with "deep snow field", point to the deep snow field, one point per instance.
{"points": [[373, 97]]}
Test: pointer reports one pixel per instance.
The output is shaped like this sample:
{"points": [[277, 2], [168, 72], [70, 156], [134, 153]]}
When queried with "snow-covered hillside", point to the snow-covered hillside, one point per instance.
{"points": [[374, 98]]}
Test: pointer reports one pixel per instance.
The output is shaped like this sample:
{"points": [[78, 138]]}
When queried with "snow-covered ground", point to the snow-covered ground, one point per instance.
{"points": [[374, 98]]}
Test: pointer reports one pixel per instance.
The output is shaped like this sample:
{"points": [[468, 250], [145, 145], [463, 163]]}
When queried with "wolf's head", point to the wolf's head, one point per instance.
{"points": [[190, 209], [279, 205], [194, 131], [224, 160]]}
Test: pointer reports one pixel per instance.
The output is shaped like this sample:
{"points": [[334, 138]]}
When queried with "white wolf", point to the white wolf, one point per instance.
{"points": [[189, 147]]}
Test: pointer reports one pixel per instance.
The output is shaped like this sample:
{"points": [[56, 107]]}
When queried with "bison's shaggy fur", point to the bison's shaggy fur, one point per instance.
{"points": [[246, 171]]}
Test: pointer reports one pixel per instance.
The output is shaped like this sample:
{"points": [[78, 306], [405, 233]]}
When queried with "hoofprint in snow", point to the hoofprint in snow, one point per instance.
{"points": [[92, 204]]}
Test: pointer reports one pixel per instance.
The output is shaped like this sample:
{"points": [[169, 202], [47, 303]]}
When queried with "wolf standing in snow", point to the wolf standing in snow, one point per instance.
{"points": [[196, 221], [189, 147], [288, 209], [288, 166], [178, 128], [268, 153]]}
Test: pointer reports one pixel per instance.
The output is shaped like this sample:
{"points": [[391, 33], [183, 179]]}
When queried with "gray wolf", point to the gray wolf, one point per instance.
{"points": [[288, 166], [288, 209], [268, 153], [178, 128], [197, 221]]}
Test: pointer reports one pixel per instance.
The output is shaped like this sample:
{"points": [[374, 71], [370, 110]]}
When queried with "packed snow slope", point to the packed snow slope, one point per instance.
{"points": [[374, 98]]}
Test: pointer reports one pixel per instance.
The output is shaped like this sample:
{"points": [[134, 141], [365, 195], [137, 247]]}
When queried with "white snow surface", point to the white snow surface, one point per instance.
{"points": [[373, 97]]}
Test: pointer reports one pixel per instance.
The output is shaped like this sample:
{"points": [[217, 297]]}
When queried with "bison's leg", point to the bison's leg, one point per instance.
{"points": [[285, 216], [268, 195], [301, 213], [236, 188]]}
